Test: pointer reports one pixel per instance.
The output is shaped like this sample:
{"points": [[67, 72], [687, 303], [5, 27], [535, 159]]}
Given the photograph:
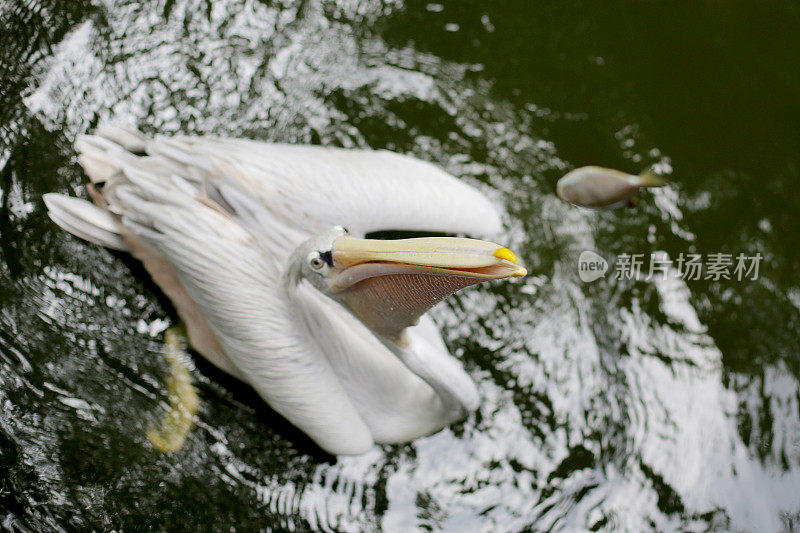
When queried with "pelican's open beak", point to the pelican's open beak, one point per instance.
{"points": [[389, 284], [358, 259]]}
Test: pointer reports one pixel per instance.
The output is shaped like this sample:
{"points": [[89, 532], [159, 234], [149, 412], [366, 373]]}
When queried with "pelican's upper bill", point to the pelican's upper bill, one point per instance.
{"points": [[436, 256]]}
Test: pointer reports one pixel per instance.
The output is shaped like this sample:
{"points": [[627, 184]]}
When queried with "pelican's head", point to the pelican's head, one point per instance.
{"points": [[388, 284]]}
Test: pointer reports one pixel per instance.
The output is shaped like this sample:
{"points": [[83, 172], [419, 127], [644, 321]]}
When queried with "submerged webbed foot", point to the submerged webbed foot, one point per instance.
{"points": [[178, 421]]}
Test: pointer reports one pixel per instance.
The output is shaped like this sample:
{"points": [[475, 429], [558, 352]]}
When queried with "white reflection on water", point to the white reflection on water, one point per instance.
{"points": [[596, 408]]}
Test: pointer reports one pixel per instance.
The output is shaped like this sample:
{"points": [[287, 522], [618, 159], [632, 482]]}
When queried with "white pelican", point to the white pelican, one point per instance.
{"points": [[248, 241]]}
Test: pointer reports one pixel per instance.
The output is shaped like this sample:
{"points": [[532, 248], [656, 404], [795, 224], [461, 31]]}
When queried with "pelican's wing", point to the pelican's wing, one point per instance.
{"points": [[313, 188], [237, 287]]}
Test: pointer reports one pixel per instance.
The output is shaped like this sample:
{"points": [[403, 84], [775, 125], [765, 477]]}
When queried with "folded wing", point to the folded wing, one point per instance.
{"points": [[237, 284], [314, 188]]}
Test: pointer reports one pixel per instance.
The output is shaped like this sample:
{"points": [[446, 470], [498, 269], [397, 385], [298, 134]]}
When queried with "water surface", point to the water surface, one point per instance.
{"points": [[622, 404]]}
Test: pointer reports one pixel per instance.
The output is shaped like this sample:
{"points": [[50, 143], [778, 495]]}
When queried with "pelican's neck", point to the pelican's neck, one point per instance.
{"points": [[441, 372], [444, 375]]}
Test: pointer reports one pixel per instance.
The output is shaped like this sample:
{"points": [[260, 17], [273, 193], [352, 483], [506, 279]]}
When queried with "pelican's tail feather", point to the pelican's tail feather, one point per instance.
{"points": [[131, 140], [85, 220]]}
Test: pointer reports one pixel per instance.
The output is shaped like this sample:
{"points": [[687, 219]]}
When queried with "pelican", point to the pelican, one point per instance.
{"points": [[248, 240]]}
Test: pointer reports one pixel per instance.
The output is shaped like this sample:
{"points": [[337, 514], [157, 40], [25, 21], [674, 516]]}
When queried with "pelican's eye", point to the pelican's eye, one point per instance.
{"points": [[318, 260]]}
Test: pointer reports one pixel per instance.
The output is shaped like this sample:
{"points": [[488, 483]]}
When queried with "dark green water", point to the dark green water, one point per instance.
{"points": [[622, 405]]}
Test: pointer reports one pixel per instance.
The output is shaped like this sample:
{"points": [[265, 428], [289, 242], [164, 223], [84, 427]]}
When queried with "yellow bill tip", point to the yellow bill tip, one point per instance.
{"points": [[505, 253]]}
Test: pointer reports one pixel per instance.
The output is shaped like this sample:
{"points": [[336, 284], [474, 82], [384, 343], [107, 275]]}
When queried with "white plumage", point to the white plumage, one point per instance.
{"points": [[215, 222]]}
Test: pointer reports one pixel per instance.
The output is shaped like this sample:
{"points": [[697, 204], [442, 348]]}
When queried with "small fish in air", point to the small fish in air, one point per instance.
{"points": [[604, 188]]}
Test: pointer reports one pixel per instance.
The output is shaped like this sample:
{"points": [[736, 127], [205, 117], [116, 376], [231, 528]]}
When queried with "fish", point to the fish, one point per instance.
{"points": [[604, 188]]}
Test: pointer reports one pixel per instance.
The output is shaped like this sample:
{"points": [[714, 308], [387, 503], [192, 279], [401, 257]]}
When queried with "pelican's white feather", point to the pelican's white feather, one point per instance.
{"points": [[85, 220]]}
